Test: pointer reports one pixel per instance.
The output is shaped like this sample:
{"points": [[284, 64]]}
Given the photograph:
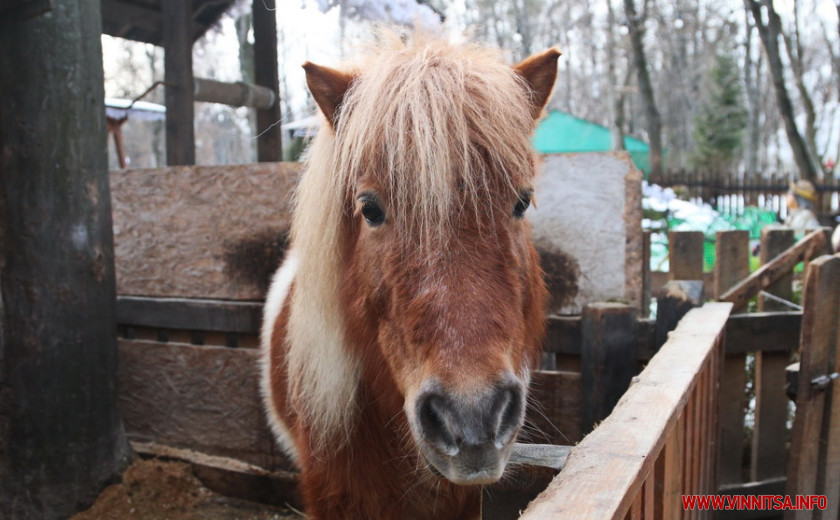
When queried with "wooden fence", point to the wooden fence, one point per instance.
{"points": [[730, 195], [179, 375], [188, 366], [679, 430], [659, 442]]}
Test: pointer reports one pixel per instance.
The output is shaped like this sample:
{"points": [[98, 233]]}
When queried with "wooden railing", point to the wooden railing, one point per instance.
{"points": [[658, 444]]}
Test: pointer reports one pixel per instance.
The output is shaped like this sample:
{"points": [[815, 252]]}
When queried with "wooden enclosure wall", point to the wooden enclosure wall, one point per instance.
{"points": [[658, 442], [201, 231]]}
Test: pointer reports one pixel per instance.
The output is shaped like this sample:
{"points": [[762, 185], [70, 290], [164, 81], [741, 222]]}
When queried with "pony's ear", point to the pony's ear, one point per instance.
{"points": [[539, 71], [328, 87]]}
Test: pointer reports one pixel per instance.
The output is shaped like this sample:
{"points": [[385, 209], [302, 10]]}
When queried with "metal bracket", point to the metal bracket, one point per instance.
{"points": [[822, 382]]}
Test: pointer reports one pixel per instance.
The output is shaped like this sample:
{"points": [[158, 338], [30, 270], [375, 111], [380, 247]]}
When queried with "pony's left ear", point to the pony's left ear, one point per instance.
{"points": [[539, 71], [328, 87]]}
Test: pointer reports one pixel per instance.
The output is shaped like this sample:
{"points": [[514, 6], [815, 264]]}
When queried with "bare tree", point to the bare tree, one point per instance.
{"points": [[795, 53], [636, 27], [769, 30], [616, 99]]}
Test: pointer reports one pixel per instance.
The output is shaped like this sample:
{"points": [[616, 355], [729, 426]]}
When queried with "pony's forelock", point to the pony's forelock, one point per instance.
{"points": [[443, 128]]}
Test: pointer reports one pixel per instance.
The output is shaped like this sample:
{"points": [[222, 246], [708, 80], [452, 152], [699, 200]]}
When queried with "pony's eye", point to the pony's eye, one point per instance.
{"points": [[522, 204], [373, 212]]}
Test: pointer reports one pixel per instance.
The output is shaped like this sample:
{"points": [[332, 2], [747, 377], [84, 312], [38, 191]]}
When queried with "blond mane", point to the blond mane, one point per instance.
{"points": [[435, 124]]}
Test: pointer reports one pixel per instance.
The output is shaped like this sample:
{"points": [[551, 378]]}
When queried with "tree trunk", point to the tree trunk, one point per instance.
{"points": [[616, 103], [635, 24], [769, 33], [793, 46], [61, 438], [752, 81]]}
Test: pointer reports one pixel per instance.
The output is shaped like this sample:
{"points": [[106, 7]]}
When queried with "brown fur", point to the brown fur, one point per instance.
{"points": [[448, 288]]}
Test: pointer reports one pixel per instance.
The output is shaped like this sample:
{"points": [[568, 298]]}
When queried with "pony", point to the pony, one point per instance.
{"points": [[401, 328]]}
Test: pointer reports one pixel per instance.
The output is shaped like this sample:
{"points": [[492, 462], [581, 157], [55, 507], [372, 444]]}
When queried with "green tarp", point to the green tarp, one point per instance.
{"points": [[560, 132]]}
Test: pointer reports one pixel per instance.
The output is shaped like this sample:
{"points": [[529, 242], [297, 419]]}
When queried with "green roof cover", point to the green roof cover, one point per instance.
{"points": [[560, 132]]}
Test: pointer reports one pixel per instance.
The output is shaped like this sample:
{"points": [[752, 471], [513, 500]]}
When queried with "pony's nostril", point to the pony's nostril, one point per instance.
{"points": [[433, 414], [509, 413]]}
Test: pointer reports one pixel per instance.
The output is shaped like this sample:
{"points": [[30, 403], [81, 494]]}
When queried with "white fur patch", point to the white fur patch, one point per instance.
{"points": [[277, 297]]}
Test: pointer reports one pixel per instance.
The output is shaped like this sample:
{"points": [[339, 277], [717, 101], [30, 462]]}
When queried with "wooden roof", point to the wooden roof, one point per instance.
{"points": [[140, 20]]}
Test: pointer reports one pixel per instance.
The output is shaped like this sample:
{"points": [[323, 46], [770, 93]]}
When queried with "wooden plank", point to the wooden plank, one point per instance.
{"points": [[554, 408], [731, 266], [232, 477], [814, 243], [269, 133], [763, 331], [178, 76], [769, 440], [653, 490], [731, 409], [831, 487], [608, 358], [630, 439], [685, 255], [563, 335], [673, 476], [200, 398], [190, 314], [819, 338]]}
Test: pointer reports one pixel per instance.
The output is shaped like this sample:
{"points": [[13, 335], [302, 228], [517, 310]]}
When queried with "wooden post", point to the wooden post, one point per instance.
{"points": [[269, 140], [673, 301], [770, 432], [731, 265], [61, 438], [608, 358], [685, 252], [814, 461], [646, 283], [178, 76]]}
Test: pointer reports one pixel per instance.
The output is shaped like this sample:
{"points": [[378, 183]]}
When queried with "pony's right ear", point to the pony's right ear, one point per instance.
{"points": [[539, 72], [328, 87]]}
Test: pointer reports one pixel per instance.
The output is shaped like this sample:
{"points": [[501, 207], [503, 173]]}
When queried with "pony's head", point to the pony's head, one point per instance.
{"points": [[428, 154]]}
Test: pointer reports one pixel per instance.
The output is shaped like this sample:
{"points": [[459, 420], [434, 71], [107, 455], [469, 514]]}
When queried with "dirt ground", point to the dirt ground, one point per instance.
{"points": [[156, 489]]}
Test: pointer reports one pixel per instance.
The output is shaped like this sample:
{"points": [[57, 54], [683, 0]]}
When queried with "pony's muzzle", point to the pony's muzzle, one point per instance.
{"points": [[467, 438]]}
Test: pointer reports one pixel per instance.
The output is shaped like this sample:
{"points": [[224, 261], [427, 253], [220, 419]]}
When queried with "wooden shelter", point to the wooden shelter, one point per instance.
{"points": [[176, 26]]}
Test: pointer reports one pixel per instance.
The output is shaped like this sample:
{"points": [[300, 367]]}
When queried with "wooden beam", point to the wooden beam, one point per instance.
{"points": [[190, 314], [763, 332], [61, 437], [674, 300], [731, 266], [232, 477], [239, 94], [270, 135], [178, 77], [812, 244], [608, 358], [118, 13], [769, 440], [685, 255], [813, 463]]}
